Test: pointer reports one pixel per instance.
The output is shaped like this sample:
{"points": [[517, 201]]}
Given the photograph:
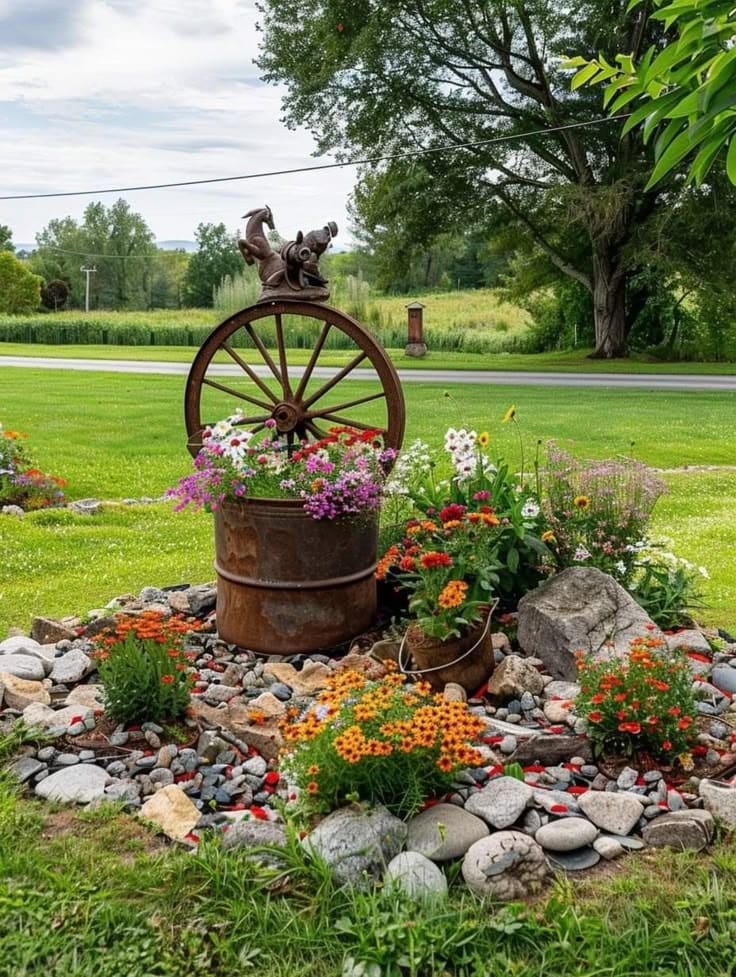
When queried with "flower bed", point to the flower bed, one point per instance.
{"points": [[21, 483]]}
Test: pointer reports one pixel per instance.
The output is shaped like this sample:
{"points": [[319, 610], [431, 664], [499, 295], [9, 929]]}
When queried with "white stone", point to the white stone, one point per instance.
{"points": [[71, 667], [80, 784], [444, 831], [720, 799], [416, 876], [506, 865], [501, 802], [566, 834], [23, 666], [615, 812]]}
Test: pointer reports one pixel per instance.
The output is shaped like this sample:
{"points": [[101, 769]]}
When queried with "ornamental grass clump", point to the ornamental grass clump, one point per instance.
{"points": [[21, 483], [341, 474], [385, 742], [144, 669], [643, 704], [598, 512]]}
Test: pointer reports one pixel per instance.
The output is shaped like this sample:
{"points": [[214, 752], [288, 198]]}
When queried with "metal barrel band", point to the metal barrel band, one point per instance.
{"points": [[455, 661]]}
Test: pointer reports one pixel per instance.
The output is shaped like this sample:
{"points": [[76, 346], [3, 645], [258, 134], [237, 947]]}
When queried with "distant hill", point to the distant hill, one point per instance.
{"points": [[177, 245]]}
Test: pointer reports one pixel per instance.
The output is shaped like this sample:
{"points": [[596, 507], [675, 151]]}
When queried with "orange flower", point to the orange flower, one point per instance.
{"points": [[167, 679], [598, 698], [630, 727], [453, 594], [595, 717], [581, 501], [312, 786], [433, 559]]}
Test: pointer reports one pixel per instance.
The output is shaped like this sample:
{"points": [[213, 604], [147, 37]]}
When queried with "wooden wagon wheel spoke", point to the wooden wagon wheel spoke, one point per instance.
{"points": [[258, 343], [346, 405], [333, 381], [296, 414], [236, 393], [252, 375], [347, 422], [312, 361]]}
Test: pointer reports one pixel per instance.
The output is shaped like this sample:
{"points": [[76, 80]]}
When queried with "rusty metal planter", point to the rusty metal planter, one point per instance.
{"points": [[287, 583]]}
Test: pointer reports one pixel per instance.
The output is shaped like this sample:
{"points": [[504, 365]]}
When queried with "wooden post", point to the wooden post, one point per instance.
{"points": [[415, 345]]}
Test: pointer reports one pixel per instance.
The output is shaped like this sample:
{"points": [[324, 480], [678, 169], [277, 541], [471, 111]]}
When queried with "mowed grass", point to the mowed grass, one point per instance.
{"points": [[117, 436], [568, 361], [96, 894]]}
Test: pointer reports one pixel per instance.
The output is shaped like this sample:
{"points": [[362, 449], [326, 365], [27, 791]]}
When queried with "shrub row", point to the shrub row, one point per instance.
{"points": [[299, 333]]}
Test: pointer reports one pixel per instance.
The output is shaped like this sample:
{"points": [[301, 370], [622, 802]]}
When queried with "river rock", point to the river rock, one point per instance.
{"points": [[23, 666], [38, 714], [47, 631], [720, 799], [500, 802], [723, 677], [680, 830], [608, 848], [357, 844], [580, 608], [506, 865], [71, 667], [21, 692], [171, 811], [613, 812], [575, 861], [512, 677], [689, 640], [81, 783], [87, 696], [444, 831], [416, 876], [253, 834], [566, 834]]}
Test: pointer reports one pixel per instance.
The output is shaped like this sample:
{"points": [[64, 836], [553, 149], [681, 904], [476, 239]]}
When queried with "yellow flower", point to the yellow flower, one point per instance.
{"points": [[549, 537], [581, 502], [484, 439], [509, 415]]}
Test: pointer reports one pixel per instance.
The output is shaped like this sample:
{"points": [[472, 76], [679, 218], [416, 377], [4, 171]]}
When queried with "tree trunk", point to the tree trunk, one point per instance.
{"points": [[609, 306]]}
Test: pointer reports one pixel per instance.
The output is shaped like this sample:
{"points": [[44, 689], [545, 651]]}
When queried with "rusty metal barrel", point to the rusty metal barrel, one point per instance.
{"points": [[287, 583]]}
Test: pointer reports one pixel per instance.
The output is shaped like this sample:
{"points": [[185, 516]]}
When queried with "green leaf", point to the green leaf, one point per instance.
{"points": [[512, 560], [585, 74], [676, 151], [731, 160]]}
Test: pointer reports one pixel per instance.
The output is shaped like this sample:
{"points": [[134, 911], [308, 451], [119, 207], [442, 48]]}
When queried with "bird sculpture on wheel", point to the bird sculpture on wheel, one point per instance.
{"points": [[293, 272]]}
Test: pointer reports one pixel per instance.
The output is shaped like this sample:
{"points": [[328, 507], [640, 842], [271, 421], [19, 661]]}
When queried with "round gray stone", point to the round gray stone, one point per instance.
{"points": [[416, 876], [506, 865], [501, 802], [23, 666], [357, 844], [575, 861], [71, 667], [443, 832], [253, 834], [615, 813], [566, 834], [81, 784]]}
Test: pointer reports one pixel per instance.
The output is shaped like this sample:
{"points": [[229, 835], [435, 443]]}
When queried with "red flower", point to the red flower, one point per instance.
{"points": [[685, 722], [595, 717], [674, 710], [434, 559], [167, 679], [661, 686], [666, 745], [622, 714], [598, 698], [452, 511], [630, 727], [653, 720]]}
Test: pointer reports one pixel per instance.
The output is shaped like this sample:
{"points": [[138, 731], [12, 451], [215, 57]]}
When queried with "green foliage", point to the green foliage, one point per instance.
{"points": [[6, 238], [22, 484], [645, 702], [681, 94], [382, 742], [19, 288], [667, 590], [54, 294], [144, 670], [217, 256]]}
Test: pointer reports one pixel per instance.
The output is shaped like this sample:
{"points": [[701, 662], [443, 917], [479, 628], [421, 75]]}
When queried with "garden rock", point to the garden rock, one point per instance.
{"points": [[689, 640], [48, 632], [416, 876], [616, 813], [253, 834], [81, 783], [580, 608], [25, 767], [86, 507], [575, 861], [23, 666], [720, 800], [172, 811], [444, 831], [357, 843], [38, 714], [269, 705], [71, 667], [312, 678], [87, 696], [566, 834], [501, 802], [19, 644], [680, 830], [512, 677], [506, 865], [20, 692], [608, 848], [724, 677]]}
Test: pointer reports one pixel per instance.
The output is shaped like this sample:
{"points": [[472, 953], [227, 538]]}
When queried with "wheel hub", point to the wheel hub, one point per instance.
{"points": [[287, 416]]}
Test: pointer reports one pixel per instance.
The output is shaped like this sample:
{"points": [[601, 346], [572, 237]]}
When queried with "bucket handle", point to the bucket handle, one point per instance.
{"points": [[438, 668]]}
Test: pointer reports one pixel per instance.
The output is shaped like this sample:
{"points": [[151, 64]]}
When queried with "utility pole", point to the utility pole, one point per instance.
{"points": [[87, 272]]}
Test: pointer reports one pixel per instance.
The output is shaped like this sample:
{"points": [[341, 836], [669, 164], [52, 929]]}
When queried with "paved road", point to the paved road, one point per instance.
{"points": [[511, 378]]}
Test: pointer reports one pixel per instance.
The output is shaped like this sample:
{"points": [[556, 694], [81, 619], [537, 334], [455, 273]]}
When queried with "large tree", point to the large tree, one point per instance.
{"points": [[6, 238], [217, 255], [20, 289], [373, 77]]}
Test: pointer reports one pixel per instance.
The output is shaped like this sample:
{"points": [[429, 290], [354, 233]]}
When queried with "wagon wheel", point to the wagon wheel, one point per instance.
{"points": [[243, 366]]}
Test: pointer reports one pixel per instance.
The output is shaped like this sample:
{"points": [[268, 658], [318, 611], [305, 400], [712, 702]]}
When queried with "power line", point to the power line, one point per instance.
{"points": [[320, 166], [91, 254]]}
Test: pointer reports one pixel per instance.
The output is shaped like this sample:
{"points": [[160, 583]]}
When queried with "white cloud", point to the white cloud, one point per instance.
{"points": [[151, 92]]}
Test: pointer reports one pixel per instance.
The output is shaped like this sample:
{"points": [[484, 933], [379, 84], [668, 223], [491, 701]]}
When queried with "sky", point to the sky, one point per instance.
{"points": [[111, 93]]}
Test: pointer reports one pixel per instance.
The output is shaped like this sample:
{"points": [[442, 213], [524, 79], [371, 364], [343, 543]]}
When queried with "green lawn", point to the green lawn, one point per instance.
{"points": [[95, 894], [121, 435], [570, 361]]}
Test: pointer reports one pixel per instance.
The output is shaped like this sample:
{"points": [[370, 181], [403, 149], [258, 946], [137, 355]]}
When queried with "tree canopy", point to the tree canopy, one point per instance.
{"points": [[20, 289], [217, 255], [6, 238], [375, 78]]}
